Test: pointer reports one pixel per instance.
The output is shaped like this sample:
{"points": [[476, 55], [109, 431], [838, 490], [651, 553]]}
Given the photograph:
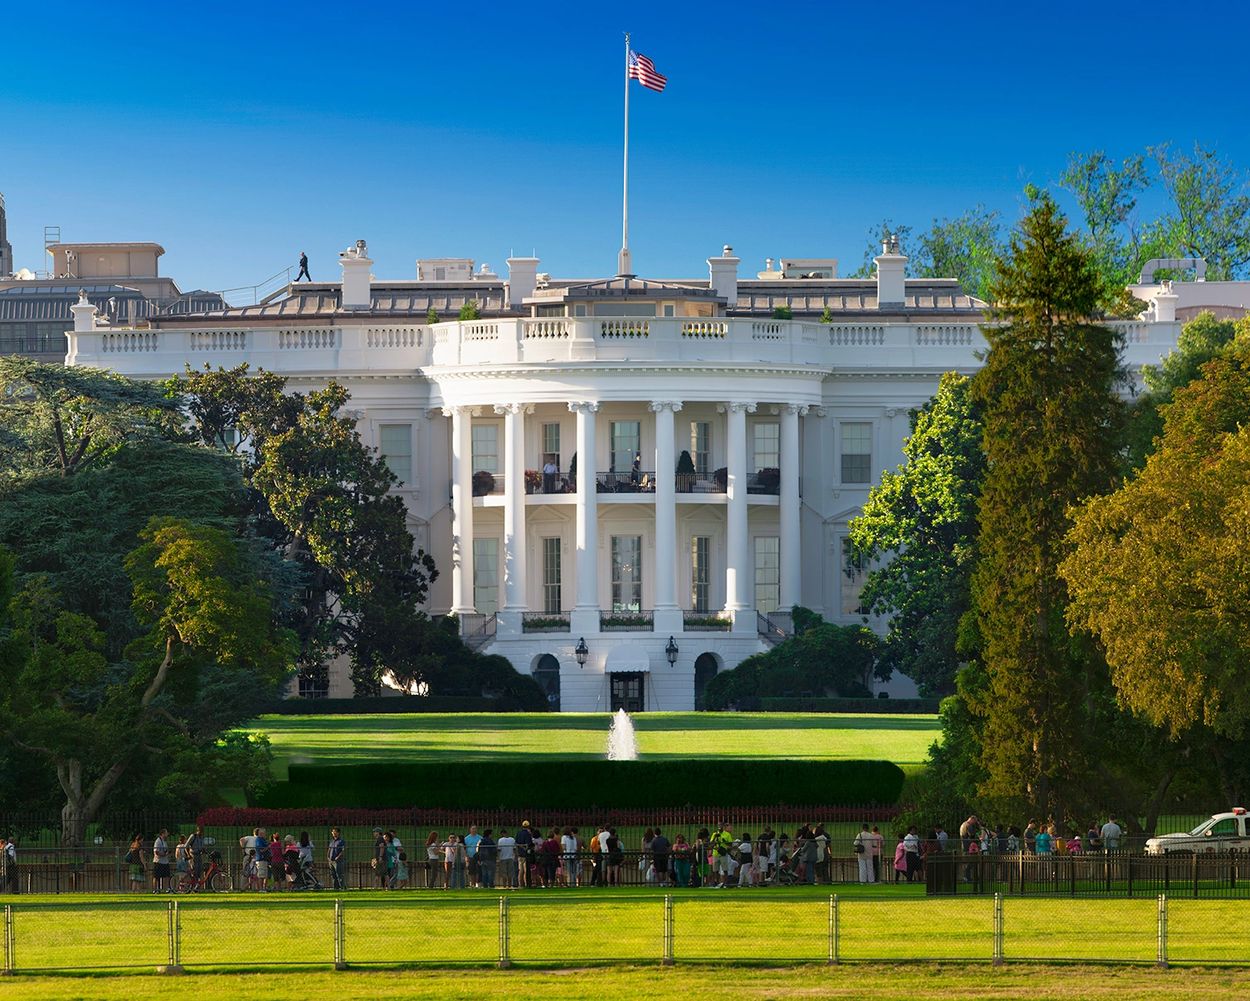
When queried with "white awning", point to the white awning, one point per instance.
{"points": [[630, 657]]}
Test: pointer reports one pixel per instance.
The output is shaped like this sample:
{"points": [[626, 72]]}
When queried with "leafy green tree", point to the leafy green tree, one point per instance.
{"points": [[431, 316], [921, 521], [1210, 210], [783, 313], [62, 419], [822, 659], [205, 627], [1159, 570], [1052, 422], [1107, 195], [872, 245], [965, 247], [470, 311]]}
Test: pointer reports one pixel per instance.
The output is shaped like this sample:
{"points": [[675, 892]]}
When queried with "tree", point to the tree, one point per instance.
{"points": [[431, 316], [1210, 212], [1201, 339], [205, 627], [872, 246], [965, 247], [1052, 428], [1159, 570], [1107, 196], [470, 311], [62, 419], [921, 520]]}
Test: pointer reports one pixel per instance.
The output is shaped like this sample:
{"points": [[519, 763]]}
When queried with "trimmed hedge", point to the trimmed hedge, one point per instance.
{"points": [[394, 704], [715, 782], [813, 705]]}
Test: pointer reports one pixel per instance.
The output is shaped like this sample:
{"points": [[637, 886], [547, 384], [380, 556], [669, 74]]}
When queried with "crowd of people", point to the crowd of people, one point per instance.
{"points": [[568, 856]]}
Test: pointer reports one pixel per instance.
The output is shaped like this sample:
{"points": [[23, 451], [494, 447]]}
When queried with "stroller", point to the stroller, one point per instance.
{"points": [[787, 871], [302, 875]]}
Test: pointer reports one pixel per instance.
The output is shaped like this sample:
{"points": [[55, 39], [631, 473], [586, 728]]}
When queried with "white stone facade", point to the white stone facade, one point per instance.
{"points": [[788, 423]]}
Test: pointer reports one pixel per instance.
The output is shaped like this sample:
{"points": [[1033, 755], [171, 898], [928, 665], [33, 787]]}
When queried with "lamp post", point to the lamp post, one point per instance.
{"points": [[581, 652], [670, 651]]}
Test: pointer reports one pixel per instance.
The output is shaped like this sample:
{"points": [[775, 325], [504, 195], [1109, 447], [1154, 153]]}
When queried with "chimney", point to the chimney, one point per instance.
{"points": [[723, 275], [84, 314], [891, 269], [522, 279], [357, 293], [1165, 304]]}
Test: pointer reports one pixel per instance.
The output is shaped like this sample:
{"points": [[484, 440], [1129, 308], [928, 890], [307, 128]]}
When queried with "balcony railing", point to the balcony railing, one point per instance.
{"points": [[633, 481], [477, 630], [544, 622], [627, 622], [705, 622], [769, 631]]}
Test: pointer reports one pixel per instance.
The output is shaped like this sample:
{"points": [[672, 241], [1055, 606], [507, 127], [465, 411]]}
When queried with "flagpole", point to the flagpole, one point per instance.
{"points": [[623, 264]]}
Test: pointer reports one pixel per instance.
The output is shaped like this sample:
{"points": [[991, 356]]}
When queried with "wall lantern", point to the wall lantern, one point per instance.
{"points": [[670, 651], [581, 652]]}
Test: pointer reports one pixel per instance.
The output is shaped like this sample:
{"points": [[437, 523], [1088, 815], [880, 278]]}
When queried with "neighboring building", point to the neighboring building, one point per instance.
{"points": [[122, 280], [593, 576], [1184, 300]]}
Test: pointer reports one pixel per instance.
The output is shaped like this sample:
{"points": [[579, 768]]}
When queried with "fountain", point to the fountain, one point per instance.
{"points": [[622, 744]]}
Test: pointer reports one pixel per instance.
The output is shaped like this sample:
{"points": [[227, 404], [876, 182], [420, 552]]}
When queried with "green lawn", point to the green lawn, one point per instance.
{"points": [[679, 983], [575, 928], [902, 739]]}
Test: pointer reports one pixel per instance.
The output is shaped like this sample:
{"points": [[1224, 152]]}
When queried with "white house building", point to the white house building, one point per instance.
{"points": [[625, 482]]}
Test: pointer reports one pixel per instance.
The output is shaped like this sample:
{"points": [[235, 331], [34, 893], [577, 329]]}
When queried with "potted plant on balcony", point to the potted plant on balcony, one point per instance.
{"points": [[483, 483], [573, 472], [685, 473], [721, 476], [769, 479], [533, 481]]}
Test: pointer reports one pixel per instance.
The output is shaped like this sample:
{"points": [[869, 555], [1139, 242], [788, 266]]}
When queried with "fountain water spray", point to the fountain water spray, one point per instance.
{"points": [[622, 743]]}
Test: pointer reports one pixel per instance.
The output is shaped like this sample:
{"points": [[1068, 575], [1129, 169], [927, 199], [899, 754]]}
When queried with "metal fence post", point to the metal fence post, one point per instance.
{"points": [[339, 962], [505, 961], [173, 931], [998, 929], [834, 931], [1162, 959], [8, 940], [668, 930]]}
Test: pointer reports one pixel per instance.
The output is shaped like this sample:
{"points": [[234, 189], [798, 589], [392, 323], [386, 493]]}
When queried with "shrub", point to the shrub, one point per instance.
{"points": [[383, 704], [721, 476], [483, 483], [711, 782], [778, 704]]}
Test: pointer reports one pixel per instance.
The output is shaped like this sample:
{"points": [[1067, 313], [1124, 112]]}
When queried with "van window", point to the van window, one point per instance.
{"points": [[1223, 828]]}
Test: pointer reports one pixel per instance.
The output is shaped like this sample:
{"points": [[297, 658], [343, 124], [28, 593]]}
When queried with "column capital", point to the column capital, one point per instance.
{"points": [[797, 408], [655, 406], [819, 412], [734, 406], [514, 408], [583, 408], [458, 410]]}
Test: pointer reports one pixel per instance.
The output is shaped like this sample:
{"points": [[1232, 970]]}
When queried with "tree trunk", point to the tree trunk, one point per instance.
{"points": [[81, 809]]}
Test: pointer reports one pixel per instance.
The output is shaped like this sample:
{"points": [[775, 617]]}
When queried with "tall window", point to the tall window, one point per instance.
{"points": [[626, 573], [625, 441], [856, 452], [486, 575], [766, 442], [700, 573], [853, 574], [701, 446], [486, 447], [551, 444], [396, 448], [551, 575], [767, 573]]}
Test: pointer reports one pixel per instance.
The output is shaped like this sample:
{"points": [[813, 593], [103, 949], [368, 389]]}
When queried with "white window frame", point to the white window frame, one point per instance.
{"points": [[766, 550], [862, 438], [486, 591], [397, 462]]}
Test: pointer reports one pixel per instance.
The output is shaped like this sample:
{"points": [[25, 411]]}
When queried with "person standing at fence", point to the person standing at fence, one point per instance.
{"points": [[434, 860], [336, 856], [471, 841], [379, 856], [160, 863], [524, 853], [722, 863], [251, 846], [1042, 844], [601, 859], [974, 850], [487, 859], [507, 860], [876, 848], [568, 856], [195, 853], [863, 854], [900, 860], [277, 864], [1111, 833], [682, 857], [810, 849], [911, 845], [824, 861], [8, 865]]}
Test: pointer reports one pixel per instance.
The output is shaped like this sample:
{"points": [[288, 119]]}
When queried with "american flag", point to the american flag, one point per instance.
{"points": [[643, 70]]}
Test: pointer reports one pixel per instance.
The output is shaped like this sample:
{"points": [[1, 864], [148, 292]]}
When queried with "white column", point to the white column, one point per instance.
{"points": [[585, 616], [737, 551], [667, 614], [513, 512], [791, 573], [461, 508]]}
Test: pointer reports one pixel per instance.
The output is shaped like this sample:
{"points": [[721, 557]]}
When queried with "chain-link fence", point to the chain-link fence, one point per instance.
{"points": [[553, 930]]}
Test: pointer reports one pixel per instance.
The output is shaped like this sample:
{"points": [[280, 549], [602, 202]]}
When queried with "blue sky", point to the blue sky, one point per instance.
{"points": [[237, 135]]}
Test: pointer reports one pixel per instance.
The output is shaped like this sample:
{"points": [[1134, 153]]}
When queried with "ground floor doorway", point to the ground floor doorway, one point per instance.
{"points": [[628, 691]]}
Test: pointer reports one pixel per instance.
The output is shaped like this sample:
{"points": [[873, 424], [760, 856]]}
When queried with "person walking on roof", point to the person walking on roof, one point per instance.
{"points": [[303, 267]]}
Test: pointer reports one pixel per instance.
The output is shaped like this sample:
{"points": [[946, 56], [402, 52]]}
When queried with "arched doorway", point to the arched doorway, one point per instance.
{"points": [[547, 674], [706, 667]]}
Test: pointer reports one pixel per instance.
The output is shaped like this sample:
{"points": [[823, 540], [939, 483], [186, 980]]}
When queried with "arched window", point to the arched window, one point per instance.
{"points": [[706, 667], [547, 674]]}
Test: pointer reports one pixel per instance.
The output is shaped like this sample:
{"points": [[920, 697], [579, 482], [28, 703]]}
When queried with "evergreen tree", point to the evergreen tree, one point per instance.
{"points": [[1053, 425]]}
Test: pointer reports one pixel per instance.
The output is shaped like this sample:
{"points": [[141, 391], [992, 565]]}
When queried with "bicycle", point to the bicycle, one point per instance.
{"points": [[214, 879]]}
